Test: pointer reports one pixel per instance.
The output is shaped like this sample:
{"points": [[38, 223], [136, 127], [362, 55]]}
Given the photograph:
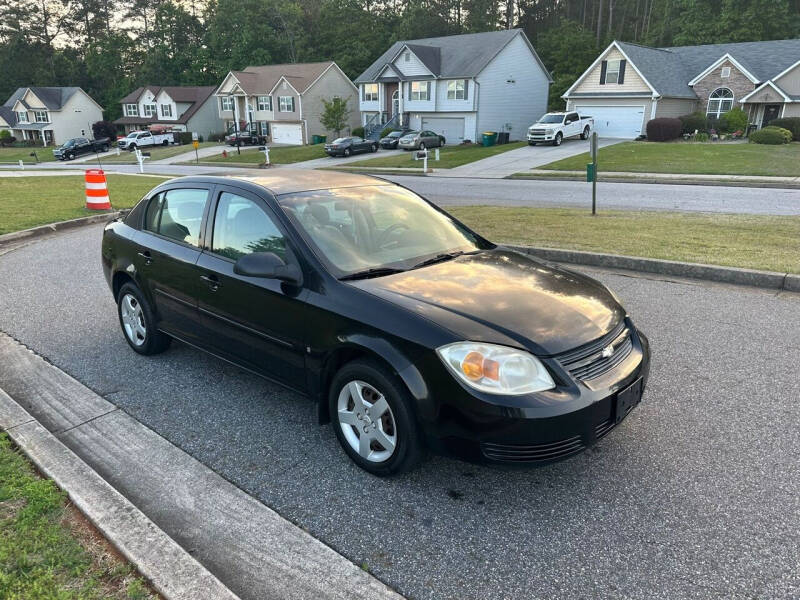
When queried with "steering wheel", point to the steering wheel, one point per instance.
{"points": [[390, 230]]}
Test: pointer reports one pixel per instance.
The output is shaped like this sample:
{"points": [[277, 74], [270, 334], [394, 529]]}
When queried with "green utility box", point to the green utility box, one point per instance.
{"points": [[489, 138], [590, 172]]}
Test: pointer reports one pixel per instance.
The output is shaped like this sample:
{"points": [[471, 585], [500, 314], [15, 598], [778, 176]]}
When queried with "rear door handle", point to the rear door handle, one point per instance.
{"points": [[148, 260], [212, 281]]}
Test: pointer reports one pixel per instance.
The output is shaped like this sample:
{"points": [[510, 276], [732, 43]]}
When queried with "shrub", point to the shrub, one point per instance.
{"points": [[104, 129], [185, 137], [773, 136], [358, 132], [200, 138], [387, 131], [734, 120], [701, 137], [693, 122], [787, 135], [790, 123], [663, 129]]}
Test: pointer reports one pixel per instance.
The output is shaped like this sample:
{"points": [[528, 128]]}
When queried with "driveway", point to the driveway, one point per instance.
{"points": [[695, 495], [519, 160]]}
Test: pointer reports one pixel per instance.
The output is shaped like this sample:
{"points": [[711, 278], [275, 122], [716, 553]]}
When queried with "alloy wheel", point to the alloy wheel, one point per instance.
{"points": [[133, 319], [367, 421]]}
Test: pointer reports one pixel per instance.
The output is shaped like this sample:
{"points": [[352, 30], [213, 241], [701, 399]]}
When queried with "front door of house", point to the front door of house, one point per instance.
{"points": [[391, 94], [771, 112]]}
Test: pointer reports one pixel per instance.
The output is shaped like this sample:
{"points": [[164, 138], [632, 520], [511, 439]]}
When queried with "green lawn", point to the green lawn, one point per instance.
{"points": [[449, 157], [282, 155], [692, 158], [29, 201], [47, 549], [755, 242], [14, 155], [156, 153]]}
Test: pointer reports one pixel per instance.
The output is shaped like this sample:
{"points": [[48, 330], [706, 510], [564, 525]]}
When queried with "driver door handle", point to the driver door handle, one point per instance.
{"points": [[212, 281], [148, 260]]}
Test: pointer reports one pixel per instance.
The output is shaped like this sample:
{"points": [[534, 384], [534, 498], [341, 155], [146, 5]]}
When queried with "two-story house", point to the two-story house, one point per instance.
{"points": [[179, 108], [458, 86], [630, 84], [49, 115], [284, 102]]}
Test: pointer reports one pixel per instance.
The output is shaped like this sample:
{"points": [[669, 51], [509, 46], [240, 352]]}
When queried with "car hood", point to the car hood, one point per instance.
{"points": [[505, 297]]}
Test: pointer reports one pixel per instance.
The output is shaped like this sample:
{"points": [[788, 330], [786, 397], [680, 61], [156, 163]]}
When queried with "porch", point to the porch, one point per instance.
{"points": [[34, 132]]}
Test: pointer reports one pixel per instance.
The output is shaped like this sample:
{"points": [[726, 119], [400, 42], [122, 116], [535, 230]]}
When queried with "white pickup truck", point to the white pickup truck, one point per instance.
{"points": [[140, 139], [555, 127]]}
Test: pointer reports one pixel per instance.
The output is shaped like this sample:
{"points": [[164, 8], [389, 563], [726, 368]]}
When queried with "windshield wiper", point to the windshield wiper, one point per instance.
{"points": [[374, 272], [440, 258]]}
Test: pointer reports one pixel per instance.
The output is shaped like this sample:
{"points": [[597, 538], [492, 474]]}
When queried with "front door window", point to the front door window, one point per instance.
{"points": [[395, 102], [771, 112]]}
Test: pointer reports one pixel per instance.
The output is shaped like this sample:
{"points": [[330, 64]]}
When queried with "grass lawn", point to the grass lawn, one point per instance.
{"points": [[691, 157], [449, 157], [156, 153], [14, 155], [755, 242], [282, 155], [29, 201], [47, 549]]}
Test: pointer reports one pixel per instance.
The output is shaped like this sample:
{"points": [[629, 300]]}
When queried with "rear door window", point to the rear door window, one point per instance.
{"points": [[177, 214]]}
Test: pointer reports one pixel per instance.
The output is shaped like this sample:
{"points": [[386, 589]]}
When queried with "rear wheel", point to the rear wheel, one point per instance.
{"points": [[374, 422], [557, 140], [165, 143], [585, 134], [71, 156], [422, 145], [138, 323]]}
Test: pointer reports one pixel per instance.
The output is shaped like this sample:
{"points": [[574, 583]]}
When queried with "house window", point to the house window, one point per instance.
{"points": [[22, 116], [612, 71], [149, 110], [370, 92], [226, 103], [726, 72], [286, 104], [420, 90], [457, 90], [265, 103], [407, 56], [166, 110], [720, 101], [131, 110], [264, 127], [41, 116]]}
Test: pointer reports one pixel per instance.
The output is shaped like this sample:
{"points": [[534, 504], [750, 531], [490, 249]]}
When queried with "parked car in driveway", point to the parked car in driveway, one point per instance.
{"points": [[419, 140], [408, 329], [390, 141], [555, 127], [345, 146], [77, 146], [145, 139]]}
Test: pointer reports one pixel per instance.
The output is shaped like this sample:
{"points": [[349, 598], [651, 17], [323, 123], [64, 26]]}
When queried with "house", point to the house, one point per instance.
{"points": [[458, 86], [284, 102], [180, 108], [630, 84], [49, 115]]}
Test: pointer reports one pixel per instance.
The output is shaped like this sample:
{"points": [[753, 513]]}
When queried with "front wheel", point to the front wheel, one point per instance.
{"points": [[531, 143], [585, 134], [372, 415], [557, 141], [138, 323], [374, 147]]}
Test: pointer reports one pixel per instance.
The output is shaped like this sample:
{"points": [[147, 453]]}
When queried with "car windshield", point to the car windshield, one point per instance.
{"points": [[69, 144], [551, 119], [375, 227], [133, 134]]}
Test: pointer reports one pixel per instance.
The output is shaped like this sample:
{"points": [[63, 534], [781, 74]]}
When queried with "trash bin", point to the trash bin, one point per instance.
{"points": [[502, 137], [489, 138], [318, 139]]}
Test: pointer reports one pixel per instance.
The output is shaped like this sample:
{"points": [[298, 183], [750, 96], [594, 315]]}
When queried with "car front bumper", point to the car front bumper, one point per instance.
{"points": [[536, 137], [561, 423]]}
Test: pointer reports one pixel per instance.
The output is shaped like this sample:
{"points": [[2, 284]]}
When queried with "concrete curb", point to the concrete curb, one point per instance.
{"points": [[762, 279], [35, 232], [651, 178], [171, 570]]}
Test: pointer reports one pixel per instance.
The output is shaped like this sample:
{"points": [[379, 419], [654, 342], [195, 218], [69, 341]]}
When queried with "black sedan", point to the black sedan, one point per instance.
{"points": [[409, 330], [350, 145], [389, 142]]}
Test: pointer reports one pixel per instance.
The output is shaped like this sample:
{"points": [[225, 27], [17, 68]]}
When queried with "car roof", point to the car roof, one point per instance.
{"points": [[283, 180]]}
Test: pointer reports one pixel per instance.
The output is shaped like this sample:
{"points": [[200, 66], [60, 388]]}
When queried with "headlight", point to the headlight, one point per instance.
{"points": [[549, 132], [496, 369]]}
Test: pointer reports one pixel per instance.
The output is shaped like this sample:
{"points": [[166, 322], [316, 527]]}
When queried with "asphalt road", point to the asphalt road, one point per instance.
{"points": [[695, 495]]}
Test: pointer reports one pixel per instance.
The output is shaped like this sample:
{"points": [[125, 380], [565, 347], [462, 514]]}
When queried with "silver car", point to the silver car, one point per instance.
{"points": [[419, 140]]}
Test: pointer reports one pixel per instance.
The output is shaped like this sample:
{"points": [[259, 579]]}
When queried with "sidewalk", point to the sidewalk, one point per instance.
{"points": [[674, 178], [190, 155]]}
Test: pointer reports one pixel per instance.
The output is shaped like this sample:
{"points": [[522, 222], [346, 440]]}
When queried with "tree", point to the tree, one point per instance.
{"points": [[336, 114]]}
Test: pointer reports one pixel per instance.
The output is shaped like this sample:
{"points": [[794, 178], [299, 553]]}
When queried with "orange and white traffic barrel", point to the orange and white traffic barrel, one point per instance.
{"points": [[97, 190]]}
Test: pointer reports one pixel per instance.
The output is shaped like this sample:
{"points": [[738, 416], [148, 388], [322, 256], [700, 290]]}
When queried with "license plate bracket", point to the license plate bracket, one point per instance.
{"points": [[627, 399]]}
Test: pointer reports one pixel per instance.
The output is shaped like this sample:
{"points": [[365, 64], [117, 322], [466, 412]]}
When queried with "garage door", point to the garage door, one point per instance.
{"points": [[615, 121], [451, 128], [287, 133]]}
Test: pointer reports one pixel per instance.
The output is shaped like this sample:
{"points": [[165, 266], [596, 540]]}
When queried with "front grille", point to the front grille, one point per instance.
{"points": [[538, 131], [588, 362]]}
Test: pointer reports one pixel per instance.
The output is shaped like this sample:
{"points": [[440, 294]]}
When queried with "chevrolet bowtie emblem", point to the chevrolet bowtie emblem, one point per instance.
{"points": [[607, 351]]}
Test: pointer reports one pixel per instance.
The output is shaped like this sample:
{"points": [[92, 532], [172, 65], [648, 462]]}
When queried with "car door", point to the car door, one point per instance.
{"points": [[574, 125], [358, 145], [431, 139], [168, 247], [254, 321], [145, 139]]}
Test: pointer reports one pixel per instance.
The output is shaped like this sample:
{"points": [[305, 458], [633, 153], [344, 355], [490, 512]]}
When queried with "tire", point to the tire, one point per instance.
{"points": [[531, 143], [395, 425], [585, 134], [104, 148], [559, 138], [138, 323], [71, 156], [132, 147], [421, 146], [165, 143], [346, 152], [442, 142], [374, 147]]}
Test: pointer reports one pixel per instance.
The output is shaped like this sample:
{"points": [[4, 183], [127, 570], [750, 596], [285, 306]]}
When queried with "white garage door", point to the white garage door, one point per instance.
{"points": [[451, 128], [287, 133], [615, 121]]}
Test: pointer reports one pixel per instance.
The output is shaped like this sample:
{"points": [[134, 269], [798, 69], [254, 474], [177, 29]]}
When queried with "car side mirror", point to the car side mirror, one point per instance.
{"points": [[269, 266]]}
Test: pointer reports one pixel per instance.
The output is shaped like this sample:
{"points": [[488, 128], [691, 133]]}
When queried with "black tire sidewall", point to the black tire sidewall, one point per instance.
{"points": [[422, 145], [154, 341], [409, 446]]}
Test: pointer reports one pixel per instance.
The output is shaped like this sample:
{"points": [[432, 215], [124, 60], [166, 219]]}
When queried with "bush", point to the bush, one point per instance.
{"points": [[387, 131], [358, 132], [663, 129], [702, 136], [6, 139], [693, 122], [790, 123], [787, 135], [185, 137], [104, 129], [734, 120], [773, 136]]}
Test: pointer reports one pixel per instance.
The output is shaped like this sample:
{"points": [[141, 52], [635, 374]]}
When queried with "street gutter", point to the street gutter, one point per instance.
{"points": [[664, 178]]}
